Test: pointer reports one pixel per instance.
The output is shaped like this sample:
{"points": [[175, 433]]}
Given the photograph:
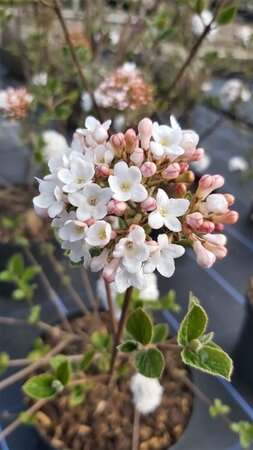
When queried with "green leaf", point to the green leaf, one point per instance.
{"points": [[16, 265], [26, 418], [193, 324], [30, 273], [34, 315], [160, 332], [63, 112], [5, 275], [41, 386], [209, 359], [245, 431], [101, 340], [200, 5], [226, 15], [63, 372], [40, 349], [18, 294], [4, 361], [57, 360], [139, 326], [150, 363], [218, 408], [86, 361], [128, 346], [77, 395]]}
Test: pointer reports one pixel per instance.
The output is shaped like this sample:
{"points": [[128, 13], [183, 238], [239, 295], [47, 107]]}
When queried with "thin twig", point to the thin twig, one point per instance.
{"points": [[28, 370], [53, 296], [12, 427], [111, 307], [57, 7], [88, 288], [136, 429]]}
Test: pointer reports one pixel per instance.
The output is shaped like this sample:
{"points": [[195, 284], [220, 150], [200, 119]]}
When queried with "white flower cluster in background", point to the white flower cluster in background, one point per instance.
{"points": [[147, 393], [54, 143], [200, 21], [234, 90], [120, 203]]}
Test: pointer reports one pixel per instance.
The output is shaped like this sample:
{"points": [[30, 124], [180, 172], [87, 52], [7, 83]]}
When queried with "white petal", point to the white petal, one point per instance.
{"points": [[91, 123], [172, 223], [122, 196], [138, 193], [114, 183], [55, 209], [175, 251], [155, 220], [177, 207], [121, 280], [121, 170], [166, 267], [156, 148], [161, 199]]}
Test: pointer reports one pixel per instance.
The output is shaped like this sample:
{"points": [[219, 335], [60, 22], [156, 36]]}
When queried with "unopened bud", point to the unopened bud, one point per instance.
{"points": [[230, 199], [171, 172], [130, 140], [207, 227], [116, 207], [103, 171], [145, 132], [204, 257], [195, 220], [207, 184], [228, 218], [180, 190], [118, 143], [186, 177], [137, 157], [110, 270], [100, 134], [149, 204], [148, 169]]}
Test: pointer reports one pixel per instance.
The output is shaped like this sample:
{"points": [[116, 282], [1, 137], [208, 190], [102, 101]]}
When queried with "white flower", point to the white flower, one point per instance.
{"points": [[3, 99], [40, 79], [167, 140], [98, 262], [72, 231], [126, 183], [91, 202], [151, 292], [51, 196], [216, 203], [147, 393], [233, 90], [86, 101], [125, 279], [244, 34], [95, 132], [80, 173], [78, 250], [133, 250], [163, 258], [206, 86], [54, 144], [103, 155], [167, 211], [237, 163], [99, 234], [202, 164], [200, 21]]}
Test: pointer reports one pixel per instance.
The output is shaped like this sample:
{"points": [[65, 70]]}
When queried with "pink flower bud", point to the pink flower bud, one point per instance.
{"points": [[118, 143], [216, 239], [186, 177], [103, 171], [100, 134], [137, 157], [216, 203], [90, 222], [180, 190], [110, 270], [207, 184], [228, 218], [219, 227], [145, 132], [183, 167], [116, 207], [205, 258], [149, 204], [131, 140], [218, 250], [195, 220], [171, 172], [197, 155], [148, 169], [207, 227], [230, 199], [189, 141]]}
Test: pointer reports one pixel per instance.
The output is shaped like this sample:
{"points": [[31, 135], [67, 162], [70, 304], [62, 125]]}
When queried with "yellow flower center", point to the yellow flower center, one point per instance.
{"points": [[163, 212], [93, 201], [79, 180], [79, 229], [102, 235], [125, 186]]}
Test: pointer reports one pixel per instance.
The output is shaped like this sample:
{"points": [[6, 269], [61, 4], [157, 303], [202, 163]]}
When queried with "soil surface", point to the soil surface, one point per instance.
{"points": [[105, 420]]}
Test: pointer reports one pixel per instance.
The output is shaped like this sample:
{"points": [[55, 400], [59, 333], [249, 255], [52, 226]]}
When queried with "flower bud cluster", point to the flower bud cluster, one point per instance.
{"points": [[107, 193]]}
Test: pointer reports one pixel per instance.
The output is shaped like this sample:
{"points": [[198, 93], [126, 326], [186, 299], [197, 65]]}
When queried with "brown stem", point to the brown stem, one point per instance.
{"points": [[53, 330], [89, 290], [136, 429], [31, 368], [16, 423], [111, 307], [85, 84], [53, 296], [193, 51], [122, 321]]}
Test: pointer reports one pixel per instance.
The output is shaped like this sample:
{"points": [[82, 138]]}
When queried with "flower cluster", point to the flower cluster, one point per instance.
{"points": [[234, 90], [15, 102], [107, 195], [125, 88], [200, 21]]}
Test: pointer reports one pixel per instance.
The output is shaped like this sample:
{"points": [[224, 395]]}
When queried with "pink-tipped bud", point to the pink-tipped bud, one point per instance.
{"points": [[153, 246], [103, 171], [218, 250], [197, 155], [90, 221], [207, 184], [207, 227], [186, 177], [100, 134], [110, 270], [183, 167], [204, 257], [216, 203], [216, 239], [180, 190], [118, 143], [219, 227], [116, 207], [230, 199], [195, 220], [145, 132], [171, 172], [130, 140], [228, 218], [189, 141], [148, 169], [137, 157], [149, 204]]}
